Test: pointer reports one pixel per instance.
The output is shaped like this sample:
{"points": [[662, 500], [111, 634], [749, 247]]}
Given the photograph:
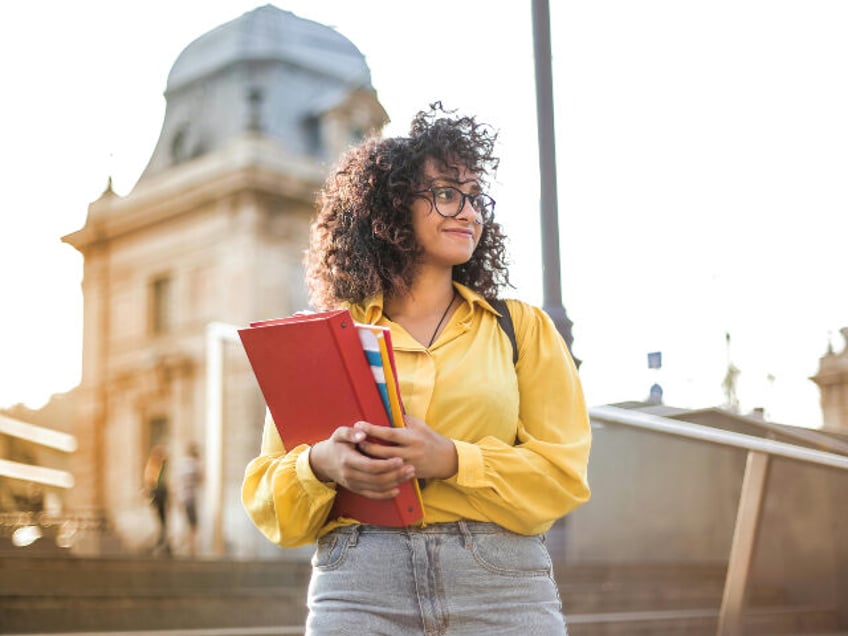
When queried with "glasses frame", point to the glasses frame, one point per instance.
{"points": [[487, 218]]}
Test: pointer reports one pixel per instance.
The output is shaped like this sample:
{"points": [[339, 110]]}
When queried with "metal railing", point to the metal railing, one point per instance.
{"points": [[27, 526], [39, 436], [751, 498]]}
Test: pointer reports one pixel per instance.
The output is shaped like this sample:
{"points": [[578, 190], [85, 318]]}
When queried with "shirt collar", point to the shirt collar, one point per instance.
{"points": [[371, 310]]}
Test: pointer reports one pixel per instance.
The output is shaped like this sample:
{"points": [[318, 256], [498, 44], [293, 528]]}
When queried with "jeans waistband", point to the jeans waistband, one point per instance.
{"points": [[462, 527]]}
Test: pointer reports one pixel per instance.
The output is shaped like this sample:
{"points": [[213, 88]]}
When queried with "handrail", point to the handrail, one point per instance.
{"points": [[38, 434], [751, 496], [703, 433], [36, 474]]}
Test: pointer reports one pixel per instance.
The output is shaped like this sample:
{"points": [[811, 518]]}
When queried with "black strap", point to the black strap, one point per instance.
{"points": [[505, 321]]}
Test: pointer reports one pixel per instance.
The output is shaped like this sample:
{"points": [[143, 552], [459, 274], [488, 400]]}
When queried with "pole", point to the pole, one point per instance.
{"points": [[552, 288], [214, 440], [217, 333]]}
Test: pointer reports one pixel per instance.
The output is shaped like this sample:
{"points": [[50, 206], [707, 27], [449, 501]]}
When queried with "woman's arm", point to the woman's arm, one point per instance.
{"points": [[528, 485], [525, 482], [288, 495], [282, 495]]}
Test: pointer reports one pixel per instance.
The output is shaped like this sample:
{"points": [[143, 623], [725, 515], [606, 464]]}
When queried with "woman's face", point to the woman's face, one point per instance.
{"points": [[446, 241]]}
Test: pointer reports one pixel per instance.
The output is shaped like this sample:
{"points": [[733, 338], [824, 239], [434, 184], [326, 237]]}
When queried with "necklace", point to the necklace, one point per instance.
{"points": [[441, 320], [439, 324]]}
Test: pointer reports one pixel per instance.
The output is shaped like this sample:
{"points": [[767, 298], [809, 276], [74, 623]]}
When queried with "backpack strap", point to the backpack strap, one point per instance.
{"points": [[505, 321]]}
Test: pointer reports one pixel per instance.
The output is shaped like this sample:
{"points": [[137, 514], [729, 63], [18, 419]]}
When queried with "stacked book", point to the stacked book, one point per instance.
{"points": [[320, 371]]}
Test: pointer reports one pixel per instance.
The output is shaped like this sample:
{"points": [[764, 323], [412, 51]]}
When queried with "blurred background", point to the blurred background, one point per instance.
{"points": [[700, 150], [161, 163]]}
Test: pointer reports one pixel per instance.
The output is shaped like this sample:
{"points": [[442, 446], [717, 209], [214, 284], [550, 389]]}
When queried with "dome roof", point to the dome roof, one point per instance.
{"points": [[269, 33], [267, 74]]}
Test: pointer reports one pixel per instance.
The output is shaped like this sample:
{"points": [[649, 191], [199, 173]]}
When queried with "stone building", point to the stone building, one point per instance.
{"points": [[832, 380], [213, 232]]}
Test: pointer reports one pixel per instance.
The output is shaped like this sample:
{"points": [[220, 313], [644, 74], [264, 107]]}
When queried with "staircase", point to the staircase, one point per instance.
{"points": [[657, 600], [62, 594], [66, 594]]}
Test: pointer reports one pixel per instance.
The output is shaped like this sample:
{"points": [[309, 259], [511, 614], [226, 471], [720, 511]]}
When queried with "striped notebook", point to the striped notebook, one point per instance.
{"points": [[370, 339]]}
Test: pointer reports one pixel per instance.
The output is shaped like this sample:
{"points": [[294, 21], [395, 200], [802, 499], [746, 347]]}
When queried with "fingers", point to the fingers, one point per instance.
{"points": [[413, 422], [377, 478], [371, 468], [348, 435], [383, 433], [383, 442]]}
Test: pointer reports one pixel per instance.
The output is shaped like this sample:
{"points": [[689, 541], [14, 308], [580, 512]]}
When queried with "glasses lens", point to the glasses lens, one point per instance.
{"points": [[448, 200], [484, 205]]}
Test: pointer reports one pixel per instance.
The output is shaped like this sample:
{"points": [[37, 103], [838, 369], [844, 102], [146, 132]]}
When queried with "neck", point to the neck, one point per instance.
{"points": [[430, 293]]}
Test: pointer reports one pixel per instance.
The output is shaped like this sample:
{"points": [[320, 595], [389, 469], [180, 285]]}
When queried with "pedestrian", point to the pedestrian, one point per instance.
{"points": [[406, 238], [188, 476], [156, 487]]}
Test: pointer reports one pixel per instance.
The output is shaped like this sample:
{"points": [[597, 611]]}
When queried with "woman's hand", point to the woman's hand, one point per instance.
{"points": [[432, 455], [338, 459]]}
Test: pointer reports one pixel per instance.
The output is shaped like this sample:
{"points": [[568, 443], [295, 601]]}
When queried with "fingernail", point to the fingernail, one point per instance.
{"points": [[358, 436]]}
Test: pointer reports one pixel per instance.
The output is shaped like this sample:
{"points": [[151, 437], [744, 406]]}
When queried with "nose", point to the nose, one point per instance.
{"points": [[468, 209]]}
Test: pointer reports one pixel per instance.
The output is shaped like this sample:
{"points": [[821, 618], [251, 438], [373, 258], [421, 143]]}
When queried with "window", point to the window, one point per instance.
{"points": [[313, 136], [161, 305], [357, 135], [156, 433], [179, 145]]}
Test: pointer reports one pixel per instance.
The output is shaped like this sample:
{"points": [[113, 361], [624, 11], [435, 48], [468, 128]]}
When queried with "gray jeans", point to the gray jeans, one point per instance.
{"points": [[452, 579]]}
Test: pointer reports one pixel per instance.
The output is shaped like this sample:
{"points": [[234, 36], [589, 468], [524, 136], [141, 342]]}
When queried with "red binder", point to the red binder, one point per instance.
{"points": [[314, 376]]}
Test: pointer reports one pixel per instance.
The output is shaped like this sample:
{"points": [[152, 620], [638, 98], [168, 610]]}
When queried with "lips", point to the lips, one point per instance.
{"points": [[461, 231]]}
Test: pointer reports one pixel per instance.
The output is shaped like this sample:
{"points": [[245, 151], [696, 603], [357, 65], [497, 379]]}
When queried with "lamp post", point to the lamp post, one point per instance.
{"points": [[552, 288]]}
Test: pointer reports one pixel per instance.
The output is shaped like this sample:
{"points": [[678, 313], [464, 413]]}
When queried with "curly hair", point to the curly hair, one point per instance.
{"points": [[362, 241]]}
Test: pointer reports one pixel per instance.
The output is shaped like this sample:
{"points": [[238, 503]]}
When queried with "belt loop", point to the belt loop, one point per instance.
{"points": [[354, 535], [467, 537]]}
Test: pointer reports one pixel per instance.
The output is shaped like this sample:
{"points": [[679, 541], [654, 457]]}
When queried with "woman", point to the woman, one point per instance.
{"points": [[189, 476], [156, 485], [405, 238]]}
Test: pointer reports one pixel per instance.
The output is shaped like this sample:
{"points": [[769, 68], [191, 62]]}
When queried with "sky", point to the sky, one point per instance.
{"points": [[701, 155]]}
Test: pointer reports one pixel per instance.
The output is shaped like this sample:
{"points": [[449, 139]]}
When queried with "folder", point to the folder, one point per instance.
{"points": [[370, 339], [314, 375], [396, 409], [387, 375]]}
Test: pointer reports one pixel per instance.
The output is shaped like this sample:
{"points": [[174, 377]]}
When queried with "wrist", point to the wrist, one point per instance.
{"points": [[451, 460], [316, 464]]}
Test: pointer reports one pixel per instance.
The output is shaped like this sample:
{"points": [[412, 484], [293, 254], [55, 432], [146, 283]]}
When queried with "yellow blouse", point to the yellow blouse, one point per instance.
{"points": [[521, 431]]}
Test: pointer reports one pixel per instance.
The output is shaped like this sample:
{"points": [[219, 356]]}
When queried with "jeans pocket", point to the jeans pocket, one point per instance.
{"points": [[331, 550], [510, 554]]}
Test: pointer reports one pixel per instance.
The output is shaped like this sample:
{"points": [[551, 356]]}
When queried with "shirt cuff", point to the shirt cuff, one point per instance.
{"points": [[470, 470], [313, 486]]}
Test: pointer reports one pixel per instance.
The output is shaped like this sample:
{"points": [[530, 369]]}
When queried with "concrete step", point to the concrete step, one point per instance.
{"points": [[50, 594], [588, 589], [229, 631], [37, 576], [771, 621], [116, 595], [93, 613]]}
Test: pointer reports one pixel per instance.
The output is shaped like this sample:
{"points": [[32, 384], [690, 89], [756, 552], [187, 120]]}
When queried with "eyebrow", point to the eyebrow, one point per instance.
{"points": [[475, 184]]}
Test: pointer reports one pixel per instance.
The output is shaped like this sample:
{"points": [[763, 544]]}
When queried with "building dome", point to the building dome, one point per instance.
{"points": [[268, 33], [271, 74]]}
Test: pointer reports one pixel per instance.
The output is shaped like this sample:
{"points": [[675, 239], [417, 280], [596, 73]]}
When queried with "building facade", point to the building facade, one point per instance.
{"points": [[212, 233], [832, 379]]}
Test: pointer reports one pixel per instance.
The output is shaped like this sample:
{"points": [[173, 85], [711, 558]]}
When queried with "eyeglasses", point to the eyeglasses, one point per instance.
{"points": [[449, 202]]}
